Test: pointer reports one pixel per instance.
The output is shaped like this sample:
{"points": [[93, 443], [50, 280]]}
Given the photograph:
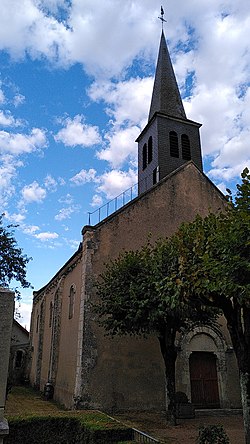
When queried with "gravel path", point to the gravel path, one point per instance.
{"points": [[186, 432]]}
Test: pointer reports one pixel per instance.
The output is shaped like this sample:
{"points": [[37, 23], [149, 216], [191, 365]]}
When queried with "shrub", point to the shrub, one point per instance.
{"points": [[66, 429], [213, 434]]}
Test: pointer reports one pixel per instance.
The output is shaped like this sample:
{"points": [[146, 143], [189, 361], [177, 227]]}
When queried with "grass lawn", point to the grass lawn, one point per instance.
{"points": [[25, 403]]}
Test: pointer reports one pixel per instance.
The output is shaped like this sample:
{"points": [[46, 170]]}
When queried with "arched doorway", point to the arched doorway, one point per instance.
{"points": [[203, 379]]}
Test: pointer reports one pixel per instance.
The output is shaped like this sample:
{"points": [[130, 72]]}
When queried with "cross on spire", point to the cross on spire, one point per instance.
{"points": [[162, 17]]}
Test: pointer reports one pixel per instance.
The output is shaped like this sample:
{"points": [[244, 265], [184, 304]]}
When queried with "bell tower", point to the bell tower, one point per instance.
{"points": [[169, 139]]}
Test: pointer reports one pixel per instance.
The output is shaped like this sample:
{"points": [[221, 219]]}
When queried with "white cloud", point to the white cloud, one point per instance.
{"points": [[46, 236], [50, 183], [17, 143], [97, 201], [76, 132], [114, 182], [7, 119], [68, 199], [84, 176], [128, 101], [65, 213], [121, 146], [8, 171], [24, 309], [2, 97], [30, 229], [128, 106], [15, 218], [18, 99], [33, 193]]}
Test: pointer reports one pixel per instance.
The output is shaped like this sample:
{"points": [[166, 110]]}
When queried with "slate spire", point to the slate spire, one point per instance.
{"points": [[166, 97], [169, 139]]}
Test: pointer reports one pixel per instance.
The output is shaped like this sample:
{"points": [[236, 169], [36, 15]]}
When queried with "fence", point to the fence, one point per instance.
{"points": [[122, 199]]}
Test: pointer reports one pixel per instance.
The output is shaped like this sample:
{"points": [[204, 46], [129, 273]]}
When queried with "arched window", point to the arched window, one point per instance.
{"points": [[72, 292], [185, 147], [50, 313], [144, 156], [150, 149], [173, 142]]}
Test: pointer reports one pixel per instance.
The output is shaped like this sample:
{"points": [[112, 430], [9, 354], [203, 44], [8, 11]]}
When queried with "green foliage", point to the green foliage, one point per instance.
{"points": [[213, 434], [12, 260], [214, 254], [138, 293], [65, 429]]}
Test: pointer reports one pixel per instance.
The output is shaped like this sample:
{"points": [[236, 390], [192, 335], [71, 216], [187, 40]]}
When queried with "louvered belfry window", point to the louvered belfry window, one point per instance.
{"points": [[150, 149], [173, 141], [185, 147], [144, 156]]}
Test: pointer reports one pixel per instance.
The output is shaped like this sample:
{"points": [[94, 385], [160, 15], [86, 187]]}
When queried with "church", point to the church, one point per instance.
{"points": [[69, 349]]}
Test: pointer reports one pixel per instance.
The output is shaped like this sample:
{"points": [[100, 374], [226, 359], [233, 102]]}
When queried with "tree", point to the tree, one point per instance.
{"points": [[12, 260], [214, 270], [132, 302]]}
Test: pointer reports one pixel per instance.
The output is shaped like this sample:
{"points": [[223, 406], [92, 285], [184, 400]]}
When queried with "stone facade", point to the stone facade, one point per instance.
{"points": [[91, 370], [6, 318], [70, 350], [19, 355]]}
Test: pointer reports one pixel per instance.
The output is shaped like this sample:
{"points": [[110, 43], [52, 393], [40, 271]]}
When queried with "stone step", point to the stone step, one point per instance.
{"points": [[217, 412]]}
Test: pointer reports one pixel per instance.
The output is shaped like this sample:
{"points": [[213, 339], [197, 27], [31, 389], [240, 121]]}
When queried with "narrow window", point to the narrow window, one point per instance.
{"points": [[37, 322], [155, 175], [71, 301], [144, 156], [173, 141], [50, 313], [19, 358], [185, 146], [150, 149]]}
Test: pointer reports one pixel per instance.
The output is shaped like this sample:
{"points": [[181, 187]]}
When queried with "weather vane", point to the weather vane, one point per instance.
{"points": [[162, 18]]}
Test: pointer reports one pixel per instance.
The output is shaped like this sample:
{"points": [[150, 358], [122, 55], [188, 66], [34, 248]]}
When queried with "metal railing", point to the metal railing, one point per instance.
{"points": [[113, 205], [142, 437], [122, 199]]}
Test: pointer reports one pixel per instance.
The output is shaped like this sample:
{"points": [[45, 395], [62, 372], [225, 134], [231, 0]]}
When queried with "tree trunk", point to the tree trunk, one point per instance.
{"points": [[169, 354], [238, 322], [245, 399]]}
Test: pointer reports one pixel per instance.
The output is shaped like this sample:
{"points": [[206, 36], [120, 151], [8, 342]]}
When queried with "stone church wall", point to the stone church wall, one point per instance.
{"points": [[128, 373], [86, 368], [54, 335]]}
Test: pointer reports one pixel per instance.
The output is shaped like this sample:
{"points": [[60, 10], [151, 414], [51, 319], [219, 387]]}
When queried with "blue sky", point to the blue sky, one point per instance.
{"points": [[75, 85]]}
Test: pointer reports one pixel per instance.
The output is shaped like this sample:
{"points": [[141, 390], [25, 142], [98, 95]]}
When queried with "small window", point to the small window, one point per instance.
{"points": [[37, 322], [50, 313], [72, 292], [173, 141], [155, 175], [19, 359], [150, 149], [185, 146], [144, 156]]}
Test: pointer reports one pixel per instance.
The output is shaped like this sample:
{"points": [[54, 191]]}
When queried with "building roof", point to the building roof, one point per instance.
{"points": [[166, 97]]}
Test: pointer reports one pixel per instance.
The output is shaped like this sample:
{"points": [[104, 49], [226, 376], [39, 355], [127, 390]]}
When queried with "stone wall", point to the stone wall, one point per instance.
{"points": [[6, 319]]}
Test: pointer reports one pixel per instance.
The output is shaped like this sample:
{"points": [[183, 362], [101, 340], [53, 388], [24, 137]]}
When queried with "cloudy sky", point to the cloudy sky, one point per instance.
{"points": [[75, 85]]}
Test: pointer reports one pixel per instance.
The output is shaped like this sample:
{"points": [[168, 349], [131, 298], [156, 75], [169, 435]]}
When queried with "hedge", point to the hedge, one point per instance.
{"points": [[66, 429]]}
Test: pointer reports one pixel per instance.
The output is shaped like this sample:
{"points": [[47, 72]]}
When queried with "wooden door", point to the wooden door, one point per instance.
{"points": [[204, 382]]}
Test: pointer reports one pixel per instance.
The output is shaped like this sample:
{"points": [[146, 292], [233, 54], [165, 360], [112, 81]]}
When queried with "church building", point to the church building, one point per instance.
{"points": [[69, 349]]}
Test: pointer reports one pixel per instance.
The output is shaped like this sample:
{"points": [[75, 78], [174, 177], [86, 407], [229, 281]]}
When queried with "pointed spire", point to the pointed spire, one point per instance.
{"points": [[166, 97]]}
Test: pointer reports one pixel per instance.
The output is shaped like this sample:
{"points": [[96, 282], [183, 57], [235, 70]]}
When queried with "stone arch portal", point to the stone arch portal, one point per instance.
{"points": [[201, 367]]}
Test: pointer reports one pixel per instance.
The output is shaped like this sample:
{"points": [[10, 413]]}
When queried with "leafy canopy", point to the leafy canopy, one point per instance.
{"points": [[214, 253], [138, 293], [12, 260]]}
